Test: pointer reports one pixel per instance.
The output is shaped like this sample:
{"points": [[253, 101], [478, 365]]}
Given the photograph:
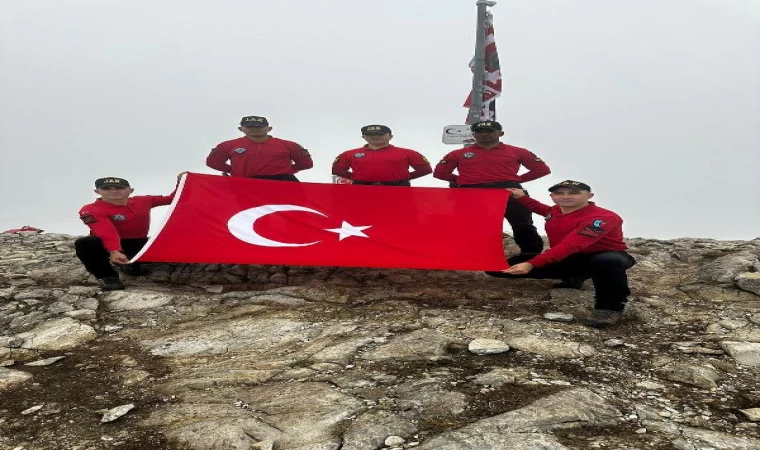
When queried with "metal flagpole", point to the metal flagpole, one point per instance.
{"points": [[479, 63]]}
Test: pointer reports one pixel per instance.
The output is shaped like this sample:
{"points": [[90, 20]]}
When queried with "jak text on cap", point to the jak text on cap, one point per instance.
{"points": [[111, 181]]}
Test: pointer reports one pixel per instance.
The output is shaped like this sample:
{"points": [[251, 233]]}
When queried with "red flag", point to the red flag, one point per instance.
{"points": [[492, 82], [233, 220]]}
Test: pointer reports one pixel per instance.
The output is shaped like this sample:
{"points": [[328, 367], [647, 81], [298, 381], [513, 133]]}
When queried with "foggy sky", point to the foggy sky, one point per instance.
{"points": [[654, 103]]}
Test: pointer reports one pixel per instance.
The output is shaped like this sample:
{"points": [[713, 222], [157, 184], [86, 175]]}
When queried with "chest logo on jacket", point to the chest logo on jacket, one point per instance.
{"points": [[359, 155], [469, 155], [240, 150], [119, 217]]}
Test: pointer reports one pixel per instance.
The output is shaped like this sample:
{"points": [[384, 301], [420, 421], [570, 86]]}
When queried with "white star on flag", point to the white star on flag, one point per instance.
{"points": [[347, 230]]}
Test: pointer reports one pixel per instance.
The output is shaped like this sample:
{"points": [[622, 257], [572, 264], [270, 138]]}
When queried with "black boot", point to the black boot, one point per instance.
{"points": [[110, 284]]}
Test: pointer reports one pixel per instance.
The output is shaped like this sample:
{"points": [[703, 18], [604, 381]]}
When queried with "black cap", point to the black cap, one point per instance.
{"points": [[572, 185], [370, 130], [486, 125], [111, 181], [254, 121]]}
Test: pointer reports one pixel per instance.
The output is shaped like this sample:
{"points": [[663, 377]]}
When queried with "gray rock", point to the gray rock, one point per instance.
{"points": [[264, 445], [63, 274], [341, 353], [32, 409], [612, 343], [501, 376], [752, 414], [700, 376], [559, 317], [11, 342], [32, 294], [745, 353], [645, 412], [525, 428], [260, 335], [726, 268], [57, 334], [114, 413], [45, 362], [650, 385], [134, 299], [28, 320], [57, 308], [394, 441], [369, 430], [292, 368], [698, 439], [84, 291], [10, 377], [81, 314], [487, 346], [550, 347], [295, 416], [87, 303], [430, 395], [424, 345]]}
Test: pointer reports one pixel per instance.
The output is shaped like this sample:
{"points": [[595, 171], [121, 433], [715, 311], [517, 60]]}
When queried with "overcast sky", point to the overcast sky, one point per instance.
{"points": [[654, 103]]}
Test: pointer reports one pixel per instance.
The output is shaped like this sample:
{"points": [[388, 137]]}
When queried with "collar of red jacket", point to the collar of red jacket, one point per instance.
{"points": [[501, 144], [578, 210], [389, 146]]}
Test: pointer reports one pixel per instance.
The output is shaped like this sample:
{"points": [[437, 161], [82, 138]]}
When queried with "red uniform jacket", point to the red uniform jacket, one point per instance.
{"points": [[385, 164], [248, 158], [477, 165], [588, 230], [111, 223]]}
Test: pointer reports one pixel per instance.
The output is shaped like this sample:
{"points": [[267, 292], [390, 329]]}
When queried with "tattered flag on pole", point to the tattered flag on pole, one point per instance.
{"points": [[492, 81]]}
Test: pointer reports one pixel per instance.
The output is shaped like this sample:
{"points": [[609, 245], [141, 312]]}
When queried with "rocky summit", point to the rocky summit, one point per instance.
{"points": [[217, 357]]}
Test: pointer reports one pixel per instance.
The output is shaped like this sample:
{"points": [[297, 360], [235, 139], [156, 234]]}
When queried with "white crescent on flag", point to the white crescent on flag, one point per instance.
{"points": [[241, 225]]}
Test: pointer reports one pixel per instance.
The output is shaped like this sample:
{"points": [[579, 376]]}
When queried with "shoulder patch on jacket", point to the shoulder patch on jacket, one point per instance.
{"points": [[594, 230], [88, 219]]}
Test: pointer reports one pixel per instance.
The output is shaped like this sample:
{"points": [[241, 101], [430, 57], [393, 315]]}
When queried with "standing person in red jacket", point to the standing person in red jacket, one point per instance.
{"points": [[491, 164], [259, 155], [379, 162], [119, 227], [585, 241]]}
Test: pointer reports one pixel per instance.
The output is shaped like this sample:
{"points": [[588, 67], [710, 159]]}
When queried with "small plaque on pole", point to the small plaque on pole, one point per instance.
{"points": [[457, 135]]}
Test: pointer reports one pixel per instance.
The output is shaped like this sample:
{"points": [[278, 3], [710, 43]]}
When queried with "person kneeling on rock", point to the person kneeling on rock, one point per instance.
{"points": [[119, 227], [585, 241]]}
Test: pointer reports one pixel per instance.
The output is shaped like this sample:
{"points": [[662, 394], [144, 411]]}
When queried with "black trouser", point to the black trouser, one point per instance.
{"points": [[281, 177], [607, 270], [519, 217], [384, 183], [94, 256]]}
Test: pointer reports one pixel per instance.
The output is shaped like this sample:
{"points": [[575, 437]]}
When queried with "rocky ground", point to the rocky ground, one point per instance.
{"points": [[292, 358]]}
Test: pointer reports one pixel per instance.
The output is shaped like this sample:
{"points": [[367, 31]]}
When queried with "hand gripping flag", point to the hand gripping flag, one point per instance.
{"points": [[232, 220]]}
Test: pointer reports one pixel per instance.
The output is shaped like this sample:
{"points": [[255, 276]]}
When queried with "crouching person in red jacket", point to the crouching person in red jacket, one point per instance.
{"points": [[585, 241], [119, 227]]}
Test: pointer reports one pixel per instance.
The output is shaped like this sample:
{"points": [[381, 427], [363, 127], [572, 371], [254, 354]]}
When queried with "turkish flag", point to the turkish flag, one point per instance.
{"points": [[232, 220]]}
